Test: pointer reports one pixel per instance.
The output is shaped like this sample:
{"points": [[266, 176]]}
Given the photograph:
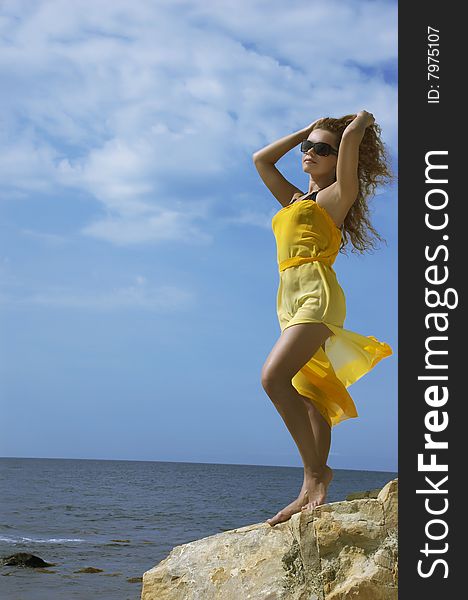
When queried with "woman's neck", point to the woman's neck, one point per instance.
{"points": [[315, 186]]}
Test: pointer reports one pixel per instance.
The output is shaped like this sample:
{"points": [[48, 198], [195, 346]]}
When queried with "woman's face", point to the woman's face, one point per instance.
{"points": [[317, 165]]}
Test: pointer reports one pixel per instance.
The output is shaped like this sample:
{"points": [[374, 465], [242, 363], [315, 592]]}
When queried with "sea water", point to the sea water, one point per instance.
{"points": [[124, 517]]}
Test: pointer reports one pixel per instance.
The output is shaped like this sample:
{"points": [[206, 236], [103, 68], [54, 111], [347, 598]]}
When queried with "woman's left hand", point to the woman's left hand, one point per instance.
{"points": [[366, 118]]}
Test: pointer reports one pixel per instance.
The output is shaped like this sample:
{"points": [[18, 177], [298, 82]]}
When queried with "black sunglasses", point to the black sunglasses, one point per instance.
{"points": [[321, 148]]}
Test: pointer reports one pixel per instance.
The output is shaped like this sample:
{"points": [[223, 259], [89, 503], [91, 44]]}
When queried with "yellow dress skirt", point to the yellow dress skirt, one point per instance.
{"points": [[308, 242]]}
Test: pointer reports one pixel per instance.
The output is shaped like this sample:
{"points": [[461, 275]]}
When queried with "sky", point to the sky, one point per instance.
{"points": [[138, 272]]}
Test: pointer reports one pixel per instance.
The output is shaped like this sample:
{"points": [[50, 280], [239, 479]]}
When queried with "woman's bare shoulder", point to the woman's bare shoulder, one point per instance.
{"points": [[296, 195]]}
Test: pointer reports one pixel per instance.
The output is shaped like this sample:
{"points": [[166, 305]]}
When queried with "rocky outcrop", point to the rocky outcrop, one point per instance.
{"points": [[24, 559], [337, 551]]}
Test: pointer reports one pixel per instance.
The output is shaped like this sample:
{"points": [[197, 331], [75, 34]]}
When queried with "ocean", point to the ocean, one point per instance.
{"points": [[124, 517]]}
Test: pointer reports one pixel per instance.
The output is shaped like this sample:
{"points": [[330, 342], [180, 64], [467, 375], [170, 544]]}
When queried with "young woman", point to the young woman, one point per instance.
{"points": [[315, 359]]}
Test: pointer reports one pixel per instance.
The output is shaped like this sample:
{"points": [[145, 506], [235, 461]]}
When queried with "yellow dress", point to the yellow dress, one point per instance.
{"points": [[308, 242]]}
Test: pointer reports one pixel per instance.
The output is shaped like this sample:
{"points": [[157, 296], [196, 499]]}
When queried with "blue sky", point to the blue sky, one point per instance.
{"points": [[138, 271]]}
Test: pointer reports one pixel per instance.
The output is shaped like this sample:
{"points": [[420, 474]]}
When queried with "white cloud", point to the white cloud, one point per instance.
{"points": [[251, 217], [137, 103], [164, 298], [165, 226], [51, 239]]}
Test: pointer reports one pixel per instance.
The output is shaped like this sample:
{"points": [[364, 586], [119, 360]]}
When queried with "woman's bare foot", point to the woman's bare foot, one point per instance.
{"points": [[316, 486], [288, 511], [313, 487]]}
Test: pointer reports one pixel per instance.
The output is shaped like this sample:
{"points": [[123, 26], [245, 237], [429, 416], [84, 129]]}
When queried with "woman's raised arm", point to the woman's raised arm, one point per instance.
{"points": [[348, 158], [265, 160]]}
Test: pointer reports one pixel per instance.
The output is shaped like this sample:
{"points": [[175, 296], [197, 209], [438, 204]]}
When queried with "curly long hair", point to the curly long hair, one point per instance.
{"points": [[373, 170]]}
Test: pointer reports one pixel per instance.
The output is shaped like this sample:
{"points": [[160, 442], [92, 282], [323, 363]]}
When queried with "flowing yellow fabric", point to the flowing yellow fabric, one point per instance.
{"points": [[308, 242]]}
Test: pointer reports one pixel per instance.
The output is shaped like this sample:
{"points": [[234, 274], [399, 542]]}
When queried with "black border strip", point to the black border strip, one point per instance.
{"points": [[431, 262]]}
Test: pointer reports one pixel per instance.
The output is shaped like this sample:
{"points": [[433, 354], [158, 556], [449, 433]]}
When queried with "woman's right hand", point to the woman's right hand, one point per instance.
{"points": [[312, 125]]}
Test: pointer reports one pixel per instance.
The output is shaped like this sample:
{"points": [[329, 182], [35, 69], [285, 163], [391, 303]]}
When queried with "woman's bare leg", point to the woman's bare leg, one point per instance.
{"points": [[296, 345], [322, 436]]}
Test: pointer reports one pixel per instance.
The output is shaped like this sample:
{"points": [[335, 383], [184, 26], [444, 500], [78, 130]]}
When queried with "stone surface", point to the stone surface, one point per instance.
{"points": [[366, 494], [338, 551], [24, 559]]}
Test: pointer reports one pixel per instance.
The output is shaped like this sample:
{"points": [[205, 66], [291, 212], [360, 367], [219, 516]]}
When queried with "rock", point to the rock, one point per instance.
{"points": [[389, 498], [367, 494], [24, 559], [338, 551], [89, 570]]}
